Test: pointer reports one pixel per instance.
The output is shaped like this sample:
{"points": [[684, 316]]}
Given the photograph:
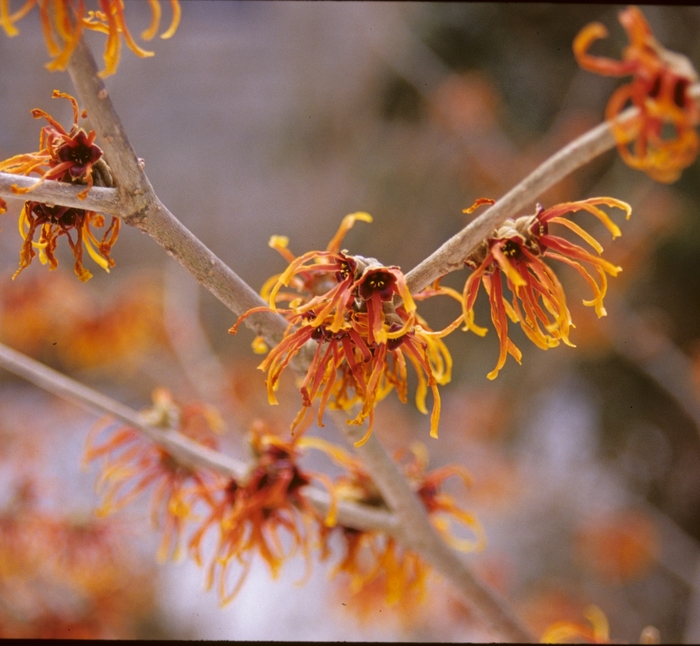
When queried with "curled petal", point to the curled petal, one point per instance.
{"points": [[345, 226], [598, 64]]}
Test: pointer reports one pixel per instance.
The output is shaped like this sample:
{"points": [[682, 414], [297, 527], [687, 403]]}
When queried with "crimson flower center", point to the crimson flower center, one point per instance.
{"points": [[511, 249]]}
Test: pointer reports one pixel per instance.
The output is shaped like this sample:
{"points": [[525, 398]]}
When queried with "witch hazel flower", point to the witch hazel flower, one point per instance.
{"points": [[131, 465], [63, 22], [359, 321], [515, 253], [66, 156], [253, 515], [662, 136], [375, 564]]}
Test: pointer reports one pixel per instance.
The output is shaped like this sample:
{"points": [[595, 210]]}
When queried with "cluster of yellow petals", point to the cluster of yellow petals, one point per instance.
{"points": [[131, 465], [63, 22], [364, 337], [68, 156], [659, 89], [376, 564], [516, 251], [248, 515]]}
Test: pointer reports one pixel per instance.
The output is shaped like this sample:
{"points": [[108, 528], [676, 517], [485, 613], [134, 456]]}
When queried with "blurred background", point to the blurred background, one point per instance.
{"points": [[280, 118]]}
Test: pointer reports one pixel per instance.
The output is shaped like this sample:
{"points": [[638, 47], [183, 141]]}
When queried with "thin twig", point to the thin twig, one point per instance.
{"points": [[134, 188], [101, 200], [142, 208], [450, 256], [186, 451], [169, 233]]}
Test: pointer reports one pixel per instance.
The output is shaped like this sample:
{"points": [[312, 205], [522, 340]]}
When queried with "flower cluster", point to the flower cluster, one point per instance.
{"points": [[65, 156], [360, 320], [247, 515], [375, 564], [659, 89], [516, 251], [229, 520], [132, 464], [63, 22]]}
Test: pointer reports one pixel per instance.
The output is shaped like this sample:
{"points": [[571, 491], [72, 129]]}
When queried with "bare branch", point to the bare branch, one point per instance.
{"points": [[450, 256], [101, 200], [130, 180], [185, 450], [210, 271], [144, 210]]}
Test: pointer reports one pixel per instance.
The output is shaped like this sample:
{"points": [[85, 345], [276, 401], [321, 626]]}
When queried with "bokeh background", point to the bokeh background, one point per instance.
{"points": [[265, 118]]}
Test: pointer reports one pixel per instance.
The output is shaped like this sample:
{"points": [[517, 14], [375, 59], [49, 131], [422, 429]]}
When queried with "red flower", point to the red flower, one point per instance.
{"points": [[349, 306], [55, 221], [377, 564], [659, 88], [71, 157], [132, 464], [249, 515], [516, 251], [63, 156]]}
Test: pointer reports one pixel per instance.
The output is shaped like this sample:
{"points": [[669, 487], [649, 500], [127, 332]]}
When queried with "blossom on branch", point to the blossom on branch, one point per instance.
{"points": [[360, 321], [663, 133], [379, 568], [66, 156], [55, 221], [249, 515], [517, 251], [132, 464], [63, 22], [72, 157]]}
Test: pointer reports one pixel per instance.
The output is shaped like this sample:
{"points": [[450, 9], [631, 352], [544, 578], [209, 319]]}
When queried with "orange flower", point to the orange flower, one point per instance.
{"points": [[378, 564], [132, 464], [659, 88], [250, 514], [348, 306], [55, 221], [563, 631], [64, 156], [71, 157], [516, 251], [63, 22], [441, 507]]}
